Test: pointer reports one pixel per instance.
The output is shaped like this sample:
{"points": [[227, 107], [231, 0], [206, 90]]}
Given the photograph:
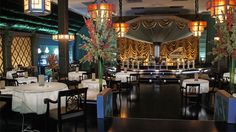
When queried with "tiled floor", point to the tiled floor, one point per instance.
{"points": [[154, 108]]}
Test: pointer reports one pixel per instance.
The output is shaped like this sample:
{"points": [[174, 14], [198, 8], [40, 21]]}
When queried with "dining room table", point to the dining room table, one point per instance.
{"points": [[76, 75], [30, 98], [26, 80], [226, 77], [93, 87], [122, 76], [204, 84]]}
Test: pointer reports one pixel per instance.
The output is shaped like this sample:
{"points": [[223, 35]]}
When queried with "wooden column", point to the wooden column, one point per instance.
{"points": [[34, 49], [63, 29], [6, 47]]}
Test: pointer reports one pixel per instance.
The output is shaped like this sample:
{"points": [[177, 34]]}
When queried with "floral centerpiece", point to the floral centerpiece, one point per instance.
{"points": [[52, 65], [225, 44], [98, 45]]}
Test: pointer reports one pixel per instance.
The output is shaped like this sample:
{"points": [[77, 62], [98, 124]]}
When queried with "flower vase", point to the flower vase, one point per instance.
{"points": [[100, 74], [234, 54]]}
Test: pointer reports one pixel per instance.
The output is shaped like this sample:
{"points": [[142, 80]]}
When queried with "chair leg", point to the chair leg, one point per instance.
{"points": [[60, 126]]}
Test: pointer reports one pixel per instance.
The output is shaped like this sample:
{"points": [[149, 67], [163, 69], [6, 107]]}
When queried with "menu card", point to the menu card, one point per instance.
{"points": [[195, 76], [41, 80], [2, 84], [26, 74], [93, 76]]}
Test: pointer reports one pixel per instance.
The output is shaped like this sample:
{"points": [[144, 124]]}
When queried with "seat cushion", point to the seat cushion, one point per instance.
{"points": [[65, 115]]}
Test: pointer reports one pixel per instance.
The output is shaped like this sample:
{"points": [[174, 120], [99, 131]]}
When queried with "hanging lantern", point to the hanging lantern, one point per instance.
{"points": [[37, 7], [103, 10], [219, 8], [121, 28], [197, 27], [61, 37]]}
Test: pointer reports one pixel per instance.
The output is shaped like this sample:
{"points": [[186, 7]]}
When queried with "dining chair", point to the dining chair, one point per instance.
{"points": [[191, 91], [190, 94], [11, 82], [75, 105], [3, 104]]}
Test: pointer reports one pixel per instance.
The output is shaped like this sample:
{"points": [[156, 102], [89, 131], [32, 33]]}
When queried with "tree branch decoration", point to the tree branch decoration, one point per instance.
{"points": [[99, 43], [226, 32]]}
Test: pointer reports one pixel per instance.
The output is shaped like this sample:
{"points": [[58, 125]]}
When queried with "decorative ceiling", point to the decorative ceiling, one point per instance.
{"points": [[143, 7], [12, 17], [158, 29]]}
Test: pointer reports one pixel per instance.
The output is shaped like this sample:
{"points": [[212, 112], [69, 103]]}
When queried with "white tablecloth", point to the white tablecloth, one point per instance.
{"points": [[204, 84], [226, 76], [123, 76], [27, 80], [30, 98], [93, 88], [75, 75], [7, 90]]}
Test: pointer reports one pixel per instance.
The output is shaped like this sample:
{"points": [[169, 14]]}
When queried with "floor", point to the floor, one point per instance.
{"points": [[153, 108]]}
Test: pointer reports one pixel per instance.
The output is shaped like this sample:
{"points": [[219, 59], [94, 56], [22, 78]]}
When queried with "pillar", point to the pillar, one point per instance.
{"points": [[6, 47], [157, 49], [63, 29], [34, 49]]}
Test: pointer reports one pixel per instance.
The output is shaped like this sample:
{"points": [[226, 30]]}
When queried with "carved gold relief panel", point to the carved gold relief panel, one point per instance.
{"points": [[132, 49], [190, 46]]}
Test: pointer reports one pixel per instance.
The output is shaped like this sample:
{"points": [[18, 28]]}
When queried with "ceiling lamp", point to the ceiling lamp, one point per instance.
{"points": [[37, 7], [61, 37], [197, 27], [101, 9], [219, 8], [121, 27]]}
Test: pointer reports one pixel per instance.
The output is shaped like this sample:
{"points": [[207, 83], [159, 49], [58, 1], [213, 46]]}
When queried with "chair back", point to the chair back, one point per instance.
{"points": [[11, 82], [14, 75], [75, 103], [133, 78], [192, 89]]}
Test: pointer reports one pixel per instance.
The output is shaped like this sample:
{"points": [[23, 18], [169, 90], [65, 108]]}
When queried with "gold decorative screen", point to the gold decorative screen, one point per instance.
{"points": [[189, 44], [21, 51], [132, 49], [1, 56]]}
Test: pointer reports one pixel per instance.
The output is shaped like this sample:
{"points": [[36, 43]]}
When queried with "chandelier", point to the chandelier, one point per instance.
{"points": [[101, 9], [121, 27], [219, 8], [37, 7], [61, 37], [197, 27]]}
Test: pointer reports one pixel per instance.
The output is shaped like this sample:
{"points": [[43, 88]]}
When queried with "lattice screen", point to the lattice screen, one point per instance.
{"points": [[21, 51], [1, 56]]}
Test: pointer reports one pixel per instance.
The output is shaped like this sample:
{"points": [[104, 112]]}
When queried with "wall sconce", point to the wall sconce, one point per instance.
{"points": [[58, 37]]}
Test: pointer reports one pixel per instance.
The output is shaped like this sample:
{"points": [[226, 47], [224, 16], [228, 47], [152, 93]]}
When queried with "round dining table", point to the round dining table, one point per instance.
{"points": [[226, 76], [93, 87], [75, 75], [30, 98], [204, 84], [123, 75], [26, 80]]}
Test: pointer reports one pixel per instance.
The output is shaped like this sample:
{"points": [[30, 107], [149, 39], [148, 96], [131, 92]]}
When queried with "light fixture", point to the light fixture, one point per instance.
{"points": [[197, 27], [46, 50], [37, 7], [121, 27], [219, 8], [100, 8], [56, 51], [58, 37], [39, 51]]}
